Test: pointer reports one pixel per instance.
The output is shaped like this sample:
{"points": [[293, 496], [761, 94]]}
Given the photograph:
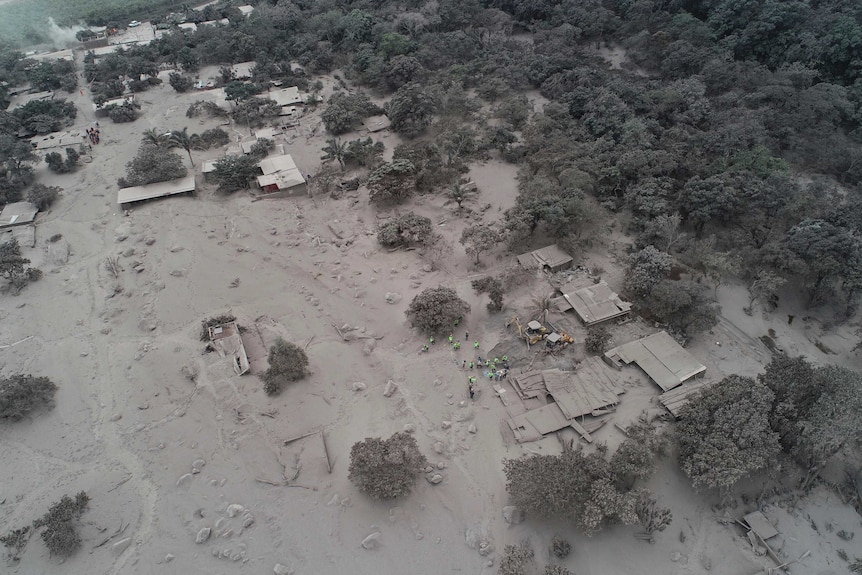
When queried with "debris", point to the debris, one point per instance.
{"points": [[513, 515], [121, 545], [358, 386], [409, 428], [326, 451], [298, 437], [392, 297], [280, 569], [184, 479], [203, 535], [390, 388], [434, 478], [372, 541], [234, 509], [472, 428], [446, 424]]}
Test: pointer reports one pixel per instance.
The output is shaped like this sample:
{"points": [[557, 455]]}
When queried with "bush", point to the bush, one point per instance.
{"points": [[14, 268], [287, 362], [123, 113], [60, 534], [59, 166], [22, 394], [437, 310], [556, 570], [43, 196], [180, 82], [560, 548], [405, 230], [597, 339], [516, 559], [494, 288], [385, 469], [212, 138]]}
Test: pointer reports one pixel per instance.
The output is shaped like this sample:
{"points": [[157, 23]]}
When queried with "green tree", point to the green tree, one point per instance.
{"points": [[724, 434]]}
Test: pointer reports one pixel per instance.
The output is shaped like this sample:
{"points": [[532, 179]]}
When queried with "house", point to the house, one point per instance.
{"points": [[17, 214], [565, 399], [242, 71], [62, 140], [245, 10], [549, 257], [23, 99], [189, 27], [280, 176], [67, 55], [227, 341], [660, 357], [158, 190], [376, 123], [592, 302], [222, 22], [101, 52], [103, 108]]}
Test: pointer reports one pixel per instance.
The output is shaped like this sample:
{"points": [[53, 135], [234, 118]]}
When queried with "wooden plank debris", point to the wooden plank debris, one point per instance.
{"points": [[678, 398]]}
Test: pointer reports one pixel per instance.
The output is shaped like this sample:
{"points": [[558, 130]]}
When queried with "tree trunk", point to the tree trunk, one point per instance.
{"points": [[189, 152]]}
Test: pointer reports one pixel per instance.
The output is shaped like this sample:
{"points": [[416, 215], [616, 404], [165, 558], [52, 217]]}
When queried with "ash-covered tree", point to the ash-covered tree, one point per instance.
{"points": [[287, 363], [386, 468], [494, 288], [14, 268], [15, 169], [20, 395], [572, 486], [517, 559], [683, 305], [646, 268], [459, 193], [123, 113], [724, 434], [180, 82], [597, 339], [335, 149], [365, 152], [404, 230], [411, 110], [61, 534], [346, 110], [478, 239], [391, 183], [635, 458], [154, 164], [43, 196], [182, 139], [234, 173], [58, 165], [436, 310]]}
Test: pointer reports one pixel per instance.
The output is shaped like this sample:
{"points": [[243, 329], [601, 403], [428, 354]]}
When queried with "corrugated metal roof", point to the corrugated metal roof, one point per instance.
{"points": [[157, 190]]}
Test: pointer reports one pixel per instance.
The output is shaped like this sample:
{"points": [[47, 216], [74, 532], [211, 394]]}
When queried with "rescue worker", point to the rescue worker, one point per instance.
{"points": [[475, 345]]}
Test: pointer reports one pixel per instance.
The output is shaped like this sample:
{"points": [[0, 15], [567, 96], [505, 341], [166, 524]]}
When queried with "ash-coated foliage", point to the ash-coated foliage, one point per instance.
{"points": [[386, 468]]}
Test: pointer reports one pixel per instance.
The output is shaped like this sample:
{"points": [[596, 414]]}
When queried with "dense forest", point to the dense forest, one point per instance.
{"points": [[727, 143]]}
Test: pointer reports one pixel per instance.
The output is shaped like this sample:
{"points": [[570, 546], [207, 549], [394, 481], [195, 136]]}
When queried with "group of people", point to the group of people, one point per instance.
{"points": [[93, 134], [497, 368]]}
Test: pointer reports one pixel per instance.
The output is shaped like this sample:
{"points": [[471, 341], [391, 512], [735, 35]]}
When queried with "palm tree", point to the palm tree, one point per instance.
{"points": [[335, 150], [184, 140], [458, 193], [155, 137]]}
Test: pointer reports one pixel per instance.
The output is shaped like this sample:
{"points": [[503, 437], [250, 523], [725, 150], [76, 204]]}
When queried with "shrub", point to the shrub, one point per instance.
{"points": [[437, 309], [385, 468], [14, 268], [180, 82], [56, 163], [494, 288], [556, 570], [22, 394], [212, 138], [15, 541], [287, 362], [560, 548], [60, 534], [597, 339], [43, 196], [405, 230], [122, 113], [516, 559]]}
